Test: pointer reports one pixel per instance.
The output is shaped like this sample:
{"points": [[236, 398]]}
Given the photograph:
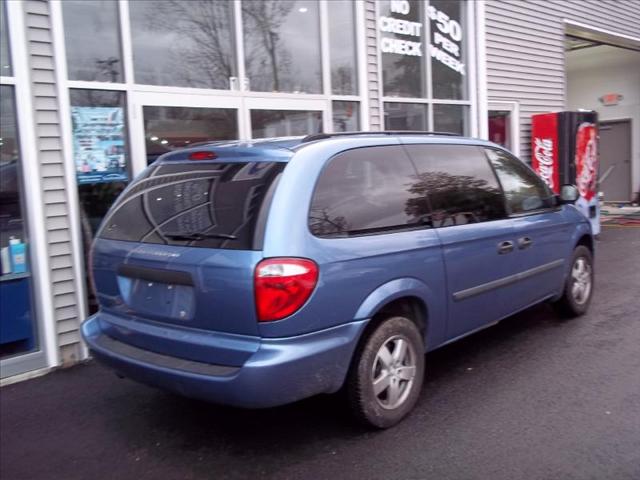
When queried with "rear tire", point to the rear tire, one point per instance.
{"points": [[386, 375], [578, 288]]}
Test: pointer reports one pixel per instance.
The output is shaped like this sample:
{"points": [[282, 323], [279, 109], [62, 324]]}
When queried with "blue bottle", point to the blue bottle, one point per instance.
{"points": [[18, 255]]}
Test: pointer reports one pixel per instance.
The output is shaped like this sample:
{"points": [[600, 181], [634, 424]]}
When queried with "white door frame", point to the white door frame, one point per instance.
{"points": [[514, 126]]}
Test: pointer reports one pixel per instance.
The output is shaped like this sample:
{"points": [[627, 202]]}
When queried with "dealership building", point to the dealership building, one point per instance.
{"points": [[94, 91]]}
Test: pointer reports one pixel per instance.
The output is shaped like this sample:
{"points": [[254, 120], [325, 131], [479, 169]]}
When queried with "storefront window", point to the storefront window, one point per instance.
{"points": [[5, 58], [284, 123], [183, 44], [406, 116], [282, 45], [17, 320], [451, 118], [168, 128], [449, 70], [403, 54], [342, 47], [92, 40], [346, 116], [423, 52]]}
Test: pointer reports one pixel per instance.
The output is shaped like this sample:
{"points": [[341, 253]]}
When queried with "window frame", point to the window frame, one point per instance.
{"points": [[471, 101], [555, 205]]}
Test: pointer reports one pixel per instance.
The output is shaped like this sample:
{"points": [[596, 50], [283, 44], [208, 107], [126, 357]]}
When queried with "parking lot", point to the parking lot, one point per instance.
{"points": [[535, 397]]}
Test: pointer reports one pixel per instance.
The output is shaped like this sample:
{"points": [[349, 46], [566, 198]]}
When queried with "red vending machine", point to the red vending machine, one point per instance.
{"points": [[564, 149]]}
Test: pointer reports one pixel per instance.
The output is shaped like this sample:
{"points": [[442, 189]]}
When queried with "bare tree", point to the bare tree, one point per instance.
{"points": [[264, 20], [209, 49]]}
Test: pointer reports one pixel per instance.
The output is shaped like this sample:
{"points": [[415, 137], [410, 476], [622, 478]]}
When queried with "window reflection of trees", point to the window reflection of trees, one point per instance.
{"points": [[455, 199], [282, 45], [92, 44], [403, 76], [437, 199], [262, 22], [322, 224], [202, 51]]}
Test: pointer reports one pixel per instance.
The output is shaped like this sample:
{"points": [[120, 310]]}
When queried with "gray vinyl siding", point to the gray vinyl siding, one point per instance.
{"points": [[525, 49], [373, 68], [51, 168]]}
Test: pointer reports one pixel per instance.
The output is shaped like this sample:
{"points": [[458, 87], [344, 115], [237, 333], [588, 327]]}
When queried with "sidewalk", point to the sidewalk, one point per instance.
{"points": [[613, 215]]}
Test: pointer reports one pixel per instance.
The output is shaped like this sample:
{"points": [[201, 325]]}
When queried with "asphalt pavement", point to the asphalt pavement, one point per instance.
{"points": [[535, 397]]}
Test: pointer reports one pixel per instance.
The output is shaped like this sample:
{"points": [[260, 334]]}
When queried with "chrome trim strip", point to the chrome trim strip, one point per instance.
{"points": [[501, 282]]}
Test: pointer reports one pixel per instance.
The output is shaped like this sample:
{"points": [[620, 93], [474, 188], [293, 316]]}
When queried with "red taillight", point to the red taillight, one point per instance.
{"points": [[202, 156], [282, 285]]}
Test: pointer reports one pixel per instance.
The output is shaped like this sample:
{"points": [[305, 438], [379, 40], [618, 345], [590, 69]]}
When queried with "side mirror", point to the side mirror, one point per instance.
{"points": [[568, 194]]}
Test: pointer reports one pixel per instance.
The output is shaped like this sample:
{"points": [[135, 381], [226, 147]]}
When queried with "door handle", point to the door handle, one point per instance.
{"points": [[505, 247], [524, 242]]}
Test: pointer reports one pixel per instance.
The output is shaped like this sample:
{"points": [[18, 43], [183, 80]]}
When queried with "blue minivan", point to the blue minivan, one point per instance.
{"points": [[257, 273]]}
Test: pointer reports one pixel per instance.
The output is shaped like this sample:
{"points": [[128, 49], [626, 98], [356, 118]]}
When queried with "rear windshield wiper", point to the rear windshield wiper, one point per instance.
{"points": [[198, 236]]}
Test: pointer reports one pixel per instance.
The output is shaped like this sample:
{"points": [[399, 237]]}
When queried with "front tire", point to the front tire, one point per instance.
{"points": [[578, 288], [386, 376]]}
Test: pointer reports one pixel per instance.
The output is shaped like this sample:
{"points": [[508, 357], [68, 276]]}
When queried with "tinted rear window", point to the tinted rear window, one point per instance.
{"points": [[366, 191], [459, 183], [212, 205]]}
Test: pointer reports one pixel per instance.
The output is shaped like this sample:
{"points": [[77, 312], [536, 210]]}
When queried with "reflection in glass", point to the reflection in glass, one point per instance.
{"points": [[449, 71], [201, 204], [346, 116], [365, 191], [168, 128], [183, 44], [5, 57], [11, 223], [451, 118], [282, 45], [406, 116], [342, 47], [524, 190], [459, 183], [101, 173], [17, 333], [92, 42], [404, 75], [284, 123]]}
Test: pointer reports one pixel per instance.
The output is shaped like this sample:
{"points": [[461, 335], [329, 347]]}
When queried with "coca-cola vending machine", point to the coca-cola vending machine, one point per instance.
{"points": [[564, 150]]}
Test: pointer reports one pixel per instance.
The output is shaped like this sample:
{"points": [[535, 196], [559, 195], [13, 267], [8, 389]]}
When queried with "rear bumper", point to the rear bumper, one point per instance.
{"points": [[281, 371]]}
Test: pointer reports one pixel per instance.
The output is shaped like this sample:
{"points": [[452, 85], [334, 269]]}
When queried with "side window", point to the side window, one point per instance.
{"points": [[524, 190], [365, 191], [459, 183]]}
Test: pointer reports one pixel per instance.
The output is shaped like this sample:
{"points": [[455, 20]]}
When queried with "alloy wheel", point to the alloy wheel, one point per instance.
{"points": [[581, 280], [393, 372]]}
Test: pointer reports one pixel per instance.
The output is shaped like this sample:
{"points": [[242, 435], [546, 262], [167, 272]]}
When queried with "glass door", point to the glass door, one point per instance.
{"points": [[166, 122], [283, 117]]}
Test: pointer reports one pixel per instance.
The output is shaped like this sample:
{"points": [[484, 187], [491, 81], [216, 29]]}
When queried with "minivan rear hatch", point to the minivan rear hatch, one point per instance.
{"points": [[181, 243]]}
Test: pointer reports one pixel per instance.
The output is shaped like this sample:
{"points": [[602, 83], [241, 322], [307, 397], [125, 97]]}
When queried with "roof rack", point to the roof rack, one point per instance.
{"points": [[322, 136]]}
